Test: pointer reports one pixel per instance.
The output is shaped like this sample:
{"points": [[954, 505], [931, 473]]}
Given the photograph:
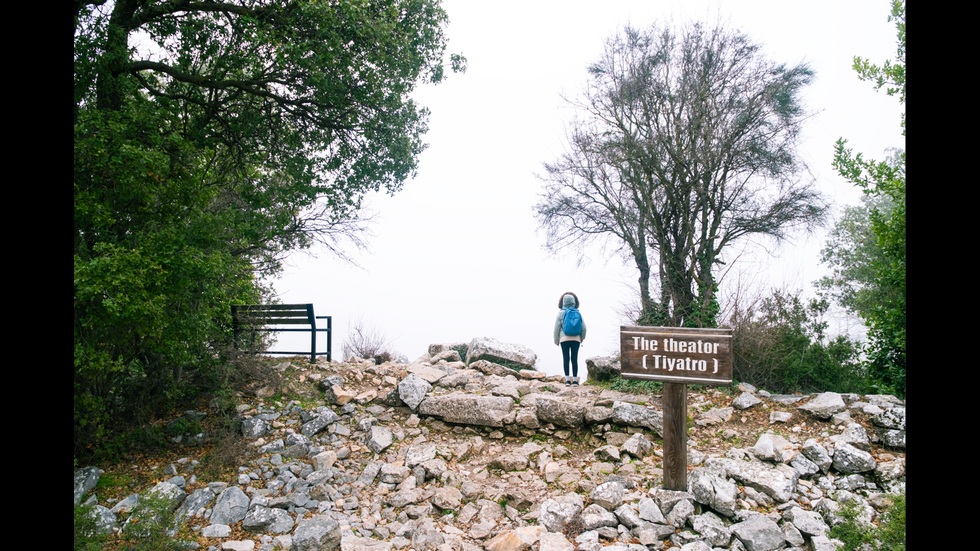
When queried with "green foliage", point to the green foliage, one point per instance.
{"points": [[889, 535], [634, 386], [780, 345], [85, 536], [254, 130], [154, 525], [884, 180]]}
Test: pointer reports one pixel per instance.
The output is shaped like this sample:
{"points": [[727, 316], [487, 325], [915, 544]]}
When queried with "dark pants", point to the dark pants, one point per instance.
{"points": [[570, 348]]}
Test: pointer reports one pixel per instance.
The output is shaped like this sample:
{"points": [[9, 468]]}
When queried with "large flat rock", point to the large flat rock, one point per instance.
{"points": [[492, 350], [488, 411]]}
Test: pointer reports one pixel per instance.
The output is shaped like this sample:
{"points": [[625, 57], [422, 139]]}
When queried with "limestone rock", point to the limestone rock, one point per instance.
{"points": [[354, 543], [320, 533], [85, 479], [807, 522], [267, 520], [379, 440], [771, 447], [231, 507], [491, 368], [855, 435], [824, 405], [197, 501], [603, 368], [254, 427], [818, 454], [745, 400], [483, 348], [714, 416], [758, 533], [637, 445], [559, 412], [554, 542], [713, 491], [779, 417], [712, 528], [594, 516], [489, 411], [776, 483], [459, 347], [650, 511], [893, 438], [554, 513], [608, 495], [324, 418], [216, 531], [848, 459], [638, 416], [892, 418], [508, 462], [427, 373], [412, 390]]}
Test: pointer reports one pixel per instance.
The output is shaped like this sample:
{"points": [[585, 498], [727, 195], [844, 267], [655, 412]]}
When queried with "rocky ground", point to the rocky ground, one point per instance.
{"points": [[455, 455]]}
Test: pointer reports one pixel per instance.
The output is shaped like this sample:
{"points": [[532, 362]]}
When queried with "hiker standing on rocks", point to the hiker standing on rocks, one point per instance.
{"points": [[569, 334]]}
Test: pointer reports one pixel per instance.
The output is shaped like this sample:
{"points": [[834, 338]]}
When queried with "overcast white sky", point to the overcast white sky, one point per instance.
{"points": [[456, 254]]}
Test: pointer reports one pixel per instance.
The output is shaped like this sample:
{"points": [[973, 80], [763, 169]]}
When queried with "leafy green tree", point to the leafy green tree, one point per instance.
{"points": [[686, 146], [211, 138], [884, 180]]}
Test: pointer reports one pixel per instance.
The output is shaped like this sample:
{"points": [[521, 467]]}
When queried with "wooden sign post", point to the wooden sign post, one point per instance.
{"points": [[676, 356]]}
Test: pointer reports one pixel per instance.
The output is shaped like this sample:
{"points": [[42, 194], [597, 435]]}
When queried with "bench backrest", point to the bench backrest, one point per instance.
{"points": [[273, 314]]}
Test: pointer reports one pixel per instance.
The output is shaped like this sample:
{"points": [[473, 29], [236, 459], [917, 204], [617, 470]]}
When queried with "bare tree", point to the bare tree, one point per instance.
{"points": [[688, 144]]}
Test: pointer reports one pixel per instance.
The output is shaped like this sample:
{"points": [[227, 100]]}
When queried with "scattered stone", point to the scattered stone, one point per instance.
{"points": [[714, 416], [231, 507], [85, 479], [246, 545], [393, 475], [412, 390], [758, 533], [638, 416], [559, 412], [638, 446], [379, 440], [555, 513], [319, 533], [779, 417], [745, 400], [216, 531], [848, 459], [824, 405], [268, 520]]}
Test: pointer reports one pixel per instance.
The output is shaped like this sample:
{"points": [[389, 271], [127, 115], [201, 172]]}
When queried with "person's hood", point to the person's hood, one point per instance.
{"points": [[568, 301]]}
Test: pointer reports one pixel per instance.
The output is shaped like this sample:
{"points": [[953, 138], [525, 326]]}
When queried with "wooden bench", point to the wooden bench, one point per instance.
{"points": [[268, 317]]}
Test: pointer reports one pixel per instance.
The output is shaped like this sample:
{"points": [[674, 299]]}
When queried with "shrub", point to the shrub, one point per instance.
{"points": [[153, 525], [889, 535], [779, 344], [86, 538], [366, 342]]}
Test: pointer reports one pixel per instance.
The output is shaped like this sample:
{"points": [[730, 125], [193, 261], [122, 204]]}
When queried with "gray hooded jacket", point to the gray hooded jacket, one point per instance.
{"points": [[568, 301]]}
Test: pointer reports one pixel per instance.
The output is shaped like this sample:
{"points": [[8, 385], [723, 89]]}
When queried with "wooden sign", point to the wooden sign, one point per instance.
{"points": [[676, 355]]}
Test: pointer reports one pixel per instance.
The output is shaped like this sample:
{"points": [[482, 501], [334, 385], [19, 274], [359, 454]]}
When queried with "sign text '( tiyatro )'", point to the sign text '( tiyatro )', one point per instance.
{"points": [[662, 361]]}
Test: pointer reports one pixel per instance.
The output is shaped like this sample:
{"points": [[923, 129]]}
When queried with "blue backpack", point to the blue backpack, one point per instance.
{"points": [[571, 325]]}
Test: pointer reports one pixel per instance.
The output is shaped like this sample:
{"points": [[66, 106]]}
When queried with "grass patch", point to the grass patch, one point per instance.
{"points": [[889, 535], [86, 537]]}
